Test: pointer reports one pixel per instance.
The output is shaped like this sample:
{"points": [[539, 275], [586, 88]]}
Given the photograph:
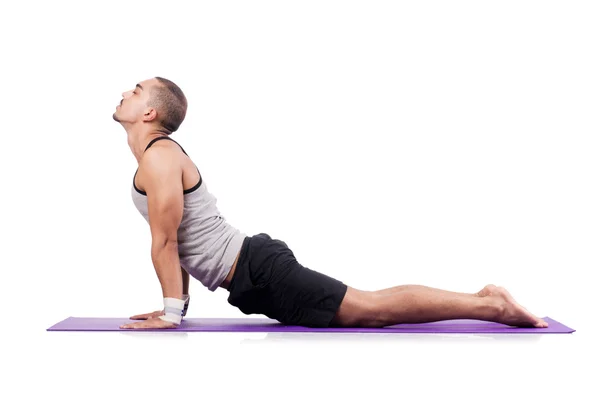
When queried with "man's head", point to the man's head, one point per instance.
{"points": [[157, 100]]}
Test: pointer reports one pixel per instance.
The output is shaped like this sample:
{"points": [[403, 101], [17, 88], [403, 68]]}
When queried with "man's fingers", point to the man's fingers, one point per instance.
{"points": [[151, 323]]}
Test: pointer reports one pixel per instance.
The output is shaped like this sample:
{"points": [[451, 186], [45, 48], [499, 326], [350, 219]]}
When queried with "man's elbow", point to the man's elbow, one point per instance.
{"points": [[164, 244]]}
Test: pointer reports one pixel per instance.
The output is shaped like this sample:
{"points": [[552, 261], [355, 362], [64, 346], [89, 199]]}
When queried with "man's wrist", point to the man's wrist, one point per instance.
{"points": [[173, 310], [186, 299]]}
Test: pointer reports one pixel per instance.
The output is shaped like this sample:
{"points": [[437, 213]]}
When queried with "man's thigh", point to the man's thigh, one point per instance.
{"points": [[358, 308]]}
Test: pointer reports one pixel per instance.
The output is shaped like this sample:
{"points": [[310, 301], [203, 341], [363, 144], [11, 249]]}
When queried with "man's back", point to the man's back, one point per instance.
{"points": [[207, 244]]}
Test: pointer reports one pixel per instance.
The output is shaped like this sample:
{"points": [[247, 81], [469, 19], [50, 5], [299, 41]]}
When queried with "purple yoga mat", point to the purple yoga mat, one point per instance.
{"points": [[254, 324]]}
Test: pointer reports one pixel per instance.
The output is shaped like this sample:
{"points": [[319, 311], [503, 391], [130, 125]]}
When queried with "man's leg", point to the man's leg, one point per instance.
{"points": [[413, 287], [422, 304]]}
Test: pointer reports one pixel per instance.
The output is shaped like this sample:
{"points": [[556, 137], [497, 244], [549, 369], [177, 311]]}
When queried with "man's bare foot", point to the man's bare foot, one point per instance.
{"points": [[487, 290], [512, 313]]}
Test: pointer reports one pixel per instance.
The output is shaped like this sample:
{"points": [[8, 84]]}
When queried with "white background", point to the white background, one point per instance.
{"points": [[449, 144]]}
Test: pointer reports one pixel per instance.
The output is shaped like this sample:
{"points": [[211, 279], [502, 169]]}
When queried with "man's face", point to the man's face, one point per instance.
{"points": [[132, 107]]}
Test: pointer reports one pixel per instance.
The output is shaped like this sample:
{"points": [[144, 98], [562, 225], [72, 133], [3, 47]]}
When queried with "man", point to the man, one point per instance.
{"points": [[191, 238]]}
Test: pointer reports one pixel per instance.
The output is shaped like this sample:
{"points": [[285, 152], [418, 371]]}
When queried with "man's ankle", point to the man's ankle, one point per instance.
{"points": [[494, 307]]}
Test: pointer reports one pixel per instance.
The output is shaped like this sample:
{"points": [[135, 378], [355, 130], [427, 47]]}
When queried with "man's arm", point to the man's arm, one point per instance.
{"points": [[164, 190], [185, 278]]}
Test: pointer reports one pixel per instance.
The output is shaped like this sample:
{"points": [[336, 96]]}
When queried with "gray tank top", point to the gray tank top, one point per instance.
{"points": [[208, 245]]}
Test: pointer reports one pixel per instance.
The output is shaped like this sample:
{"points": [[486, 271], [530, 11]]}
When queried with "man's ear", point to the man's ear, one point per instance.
{"points": [[150, 114]]}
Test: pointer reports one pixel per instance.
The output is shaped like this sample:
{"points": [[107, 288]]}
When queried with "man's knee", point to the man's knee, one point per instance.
{"points": [[359, 309]]}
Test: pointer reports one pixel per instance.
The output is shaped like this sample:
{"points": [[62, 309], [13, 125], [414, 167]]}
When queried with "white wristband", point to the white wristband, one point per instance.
{"points": [[173, 310]]}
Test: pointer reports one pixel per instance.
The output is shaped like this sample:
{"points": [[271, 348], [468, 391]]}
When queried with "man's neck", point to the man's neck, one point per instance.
{"points": [[138, 139]]}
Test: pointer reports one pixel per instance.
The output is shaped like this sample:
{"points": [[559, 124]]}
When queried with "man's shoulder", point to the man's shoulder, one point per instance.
{"points": [[160, 157]]}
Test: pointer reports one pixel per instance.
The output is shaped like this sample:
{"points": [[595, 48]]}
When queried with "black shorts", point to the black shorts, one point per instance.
{"points": [[269, 280]]}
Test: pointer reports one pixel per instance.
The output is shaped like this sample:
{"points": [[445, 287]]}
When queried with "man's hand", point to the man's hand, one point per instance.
{"points": [[156, 323], [159, 313], [147, 316]]}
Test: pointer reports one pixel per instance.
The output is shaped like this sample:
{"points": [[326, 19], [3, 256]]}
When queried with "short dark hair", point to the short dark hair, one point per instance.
{"points": [[170, 103]]}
